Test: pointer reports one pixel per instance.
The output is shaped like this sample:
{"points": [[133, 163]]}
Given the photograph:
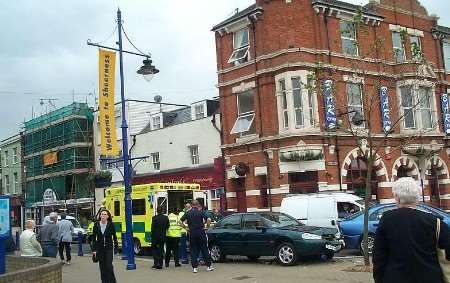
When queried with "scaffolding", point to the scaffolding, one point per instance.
{"points": [[66, 134]]}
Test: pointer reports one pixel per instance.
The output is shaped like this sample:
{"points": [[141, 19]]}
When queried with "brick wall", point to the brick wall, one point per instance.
{"points": [[31, 269]]}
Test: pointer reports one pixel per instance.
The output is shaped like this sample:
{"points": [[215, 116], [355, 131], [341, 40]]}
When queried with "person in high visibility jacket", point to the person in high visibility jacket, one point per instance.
{"points": [[173, 240]]}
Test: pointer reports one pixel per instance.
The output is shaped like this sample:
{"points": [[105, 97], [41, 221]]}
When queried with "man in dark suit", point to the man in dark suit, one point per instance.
{"points": [[406, 240], [160, 224]]}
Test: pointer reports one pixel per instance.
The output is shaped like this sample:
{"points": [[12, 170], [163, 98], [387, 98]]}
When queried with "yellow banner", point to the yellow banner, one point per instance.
{"points": [[106, 76], [50, 158]]}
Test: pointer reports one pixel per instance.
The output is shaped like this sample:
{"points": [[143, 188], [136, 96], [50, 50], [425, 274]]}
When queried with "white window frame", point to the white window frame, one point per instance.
{"points": [[417, 111], [350, 106], [16, 182], [395, 48], [199, 110], [193, 151], [308, 97], [156, 126], [248, 115], [284, 104], [245, 48], [419, 41], [446, 46], [353, 40], [6, 158], [15, 156], [7, 184], [156, 161]]}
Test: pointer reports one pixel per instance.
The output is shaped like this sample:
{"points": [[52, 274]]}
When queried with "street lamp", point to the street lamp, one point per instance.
{"points": [[147, 70]]}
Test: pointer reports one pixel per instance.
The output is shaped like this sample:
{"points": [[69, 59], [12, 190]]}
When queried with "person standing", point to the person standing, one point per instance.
{"points": [[104, 244], [48, 236], [406, 240], [196, 219], [160, 225], [65, 230], [29, 246], [184, 236], [173, 240]]}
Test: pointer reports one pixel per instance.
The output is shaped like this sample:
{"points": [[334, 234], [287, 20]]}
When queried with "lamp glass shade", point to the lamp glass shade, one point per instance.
{"points": [[148, 77]]}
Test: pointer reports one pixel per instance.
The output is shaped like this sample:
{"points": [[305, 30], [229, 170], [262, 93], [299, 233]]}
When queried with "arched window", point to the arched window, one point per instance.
{"points": [[356, 178]]}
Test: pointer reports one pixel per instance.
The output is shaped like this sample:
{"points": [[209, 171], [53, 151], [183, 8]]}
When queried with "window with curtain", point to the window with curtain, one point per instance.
{"points": [[284, 106], [244, 124], [446, 47], [156, 162], [297, 99], [348, 38], [399, 49], [424, 96], [416, 47], [241, 47], [407, 103], [355, 102]]}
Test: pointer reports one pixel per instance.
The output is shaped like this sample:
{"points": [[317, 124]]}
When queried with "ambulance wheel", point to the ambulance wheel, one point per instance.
{"points": [[137, 246]]}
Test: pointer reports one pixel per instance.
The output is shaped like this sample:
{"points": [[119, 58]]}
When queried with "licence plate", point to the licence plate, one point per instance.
{"points": [[333, 248]]}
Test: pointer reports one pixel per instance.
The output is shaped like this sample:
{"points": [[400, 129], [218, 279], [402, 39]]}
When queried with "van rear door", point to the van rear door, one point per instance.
{"points": [[161, 201], [322, 212], [295, 207], [201, 197]]}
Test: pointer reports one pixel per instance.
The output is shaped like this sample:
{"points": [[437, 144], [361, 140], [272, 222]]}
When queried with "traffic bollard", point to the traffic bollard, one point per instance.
{"points": [[124, 247], [80, 243], [17, 241]]}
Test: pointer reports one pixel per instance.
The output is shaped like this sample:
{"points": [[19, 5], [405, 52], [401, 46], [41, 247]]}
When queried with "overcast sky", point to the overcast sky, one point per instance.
{"points": [[43, 51]]}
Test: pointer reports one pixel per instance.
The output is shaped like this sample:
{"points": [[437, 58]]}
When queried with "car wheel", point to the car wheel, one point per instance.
{"points": [[216, 253], [137, 246], [329, 256], [370, 243], [286, 254], [253, 257]]}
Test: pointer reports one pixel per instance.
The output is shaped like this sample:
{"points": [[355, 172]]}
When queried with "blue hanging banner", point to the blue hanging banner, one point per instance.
{"points": [[5, 228], [385, 111], [445, 113], [330, 107]]}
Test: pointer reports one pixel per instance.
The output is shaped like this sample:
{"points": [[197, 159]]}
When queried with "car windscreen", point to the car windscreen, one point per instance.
{"points": [[279, 220], [353, 216]]}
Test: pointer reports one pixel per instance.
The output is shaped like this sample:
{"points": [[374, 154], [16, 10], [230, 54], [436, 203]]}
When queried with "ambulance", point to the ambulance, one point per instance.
{"points": [[145, 199]]}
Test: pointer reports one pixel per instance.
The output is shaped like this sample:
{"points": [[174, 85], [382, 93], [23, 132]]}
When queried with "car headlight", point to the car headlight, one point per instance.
{"points": [[338, 235], [308, 236]]}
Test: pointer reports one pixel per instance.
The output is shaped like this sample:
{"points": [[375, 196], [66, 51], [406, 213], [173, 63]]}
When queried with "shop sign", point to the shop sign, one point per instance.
{"points": [[330, 107], [385, 112]]}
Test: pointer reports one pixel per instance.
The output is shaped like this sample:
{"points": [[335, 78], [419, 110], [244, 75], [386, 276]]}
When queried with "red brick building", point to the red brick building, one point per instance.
{"points": [[285, 66]]}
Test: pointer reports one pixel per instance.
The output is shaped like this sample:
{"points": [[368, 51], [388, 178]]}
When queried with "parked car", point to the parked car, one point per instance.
{"points": [[77, 228], [269, 234], [352, 227]]}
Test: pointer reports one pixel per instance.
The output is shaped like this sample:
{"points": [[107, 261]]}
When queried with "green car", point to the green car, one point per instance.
{"points": [[270, 234]]}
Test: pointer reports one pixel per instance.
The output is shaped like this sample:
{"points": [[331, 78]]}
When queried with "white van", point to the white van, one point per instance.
{"points": [[321, 209], [76, 227]]}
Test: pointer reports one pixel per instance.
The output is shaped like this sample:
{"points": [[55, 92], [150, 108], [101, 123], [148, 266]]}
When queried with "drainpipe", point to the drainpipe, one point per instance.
{"points": [[338, 161], [269, 185]]}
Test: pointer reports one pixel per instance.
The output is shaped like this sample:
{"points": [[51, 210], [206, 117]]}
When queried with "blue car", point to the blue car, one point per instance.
{"points": [[352, 227]]}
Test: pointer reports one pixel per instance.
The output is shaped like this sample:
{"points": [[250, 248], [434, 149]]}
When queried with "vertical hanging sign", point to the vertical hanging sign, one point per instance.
{"points": [[106, 76], [445, 113], [385, 112], [330, 108]]}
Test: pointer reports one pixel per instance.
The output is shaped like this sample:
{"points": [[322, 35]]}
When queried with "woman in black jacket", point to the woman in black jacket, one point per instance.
{"points": [[104, 245], [406, 240]]}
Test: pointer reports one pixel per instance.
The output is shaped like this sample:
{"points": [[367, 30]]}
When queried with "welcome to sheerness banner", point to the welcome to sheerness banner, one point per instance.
{"points": [[106, 77]]}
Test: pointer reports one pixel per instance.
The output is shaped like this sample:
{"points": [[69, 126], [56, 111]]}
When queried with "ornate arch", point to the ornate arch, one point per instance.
{"points": [[379, 166], [440, 165], [413, 169]]}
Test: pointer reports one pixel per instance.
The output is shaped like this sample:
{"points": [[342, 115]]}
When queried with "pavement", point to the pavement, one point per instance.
{"points": [[237, 269]]}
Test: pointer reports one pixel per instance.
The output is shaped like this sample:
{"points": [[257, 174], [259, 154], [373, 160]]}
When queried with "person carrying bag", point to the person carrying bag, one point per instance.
{"points": [[104, 245]]}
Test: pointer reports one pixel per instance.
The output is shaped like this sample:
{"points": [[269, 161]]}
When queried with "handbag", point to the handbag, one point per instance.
{"points": [[443, 262], [94, 258]]}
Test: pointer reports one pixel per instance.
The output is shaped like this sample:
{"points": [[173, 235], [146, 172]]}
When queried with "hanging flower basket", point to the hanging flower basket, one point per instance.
{"points": [[101, 179]]}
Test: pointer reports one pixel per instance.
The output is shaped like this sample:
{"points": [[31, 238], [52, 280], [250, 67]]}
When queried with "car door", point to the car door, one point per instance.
{"points": [[227, 234], [256, 238], [374, 217]]}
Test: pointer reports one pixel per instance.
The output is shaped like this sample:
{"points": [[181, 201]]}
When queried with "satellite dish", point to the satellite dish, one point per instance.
{"points": [[157, 98]]}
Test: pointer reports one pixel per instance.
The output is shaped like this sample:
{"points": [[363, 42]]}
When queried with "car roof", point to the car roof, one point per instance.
{"points": [[67, 217], [336, 195]]}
